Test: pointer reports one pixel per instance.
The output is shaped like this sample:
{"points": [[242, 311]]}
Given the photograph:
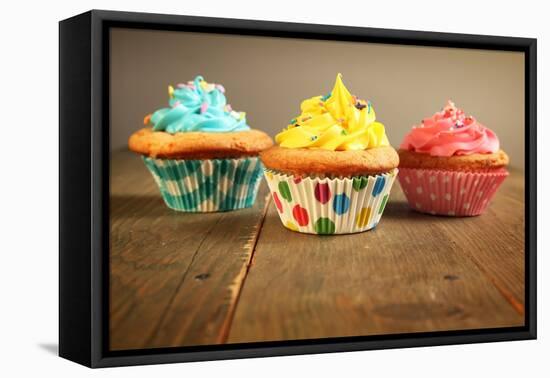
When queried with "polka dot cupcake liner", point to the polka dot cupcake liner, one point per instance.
{"points": [[450, 193], [207, 185], [326, 206]]}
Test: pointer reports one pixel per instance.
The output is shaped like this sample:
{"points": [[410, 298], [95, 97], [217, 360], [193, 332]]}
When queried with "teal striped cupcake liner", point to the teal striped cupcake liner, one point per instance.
{"points": [[207, 185]]}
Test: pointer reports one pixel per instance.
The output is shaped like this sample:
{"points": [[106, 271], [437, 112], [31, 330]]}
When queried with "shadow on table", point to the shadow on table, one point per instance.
{"points": [[137, 206], [52, 348], [399, 210]]}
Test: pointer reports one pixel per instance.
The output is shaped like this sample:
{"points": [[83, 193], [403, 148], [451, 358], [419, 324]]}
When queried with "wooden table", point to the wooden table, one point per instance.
{"points": [[181, 279]]}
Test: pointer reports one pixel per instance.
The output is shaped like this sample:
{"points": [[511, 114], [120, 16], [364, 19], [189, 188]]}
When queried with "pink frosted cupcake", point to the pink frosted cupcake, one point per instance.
{"points": [[451, 164]]}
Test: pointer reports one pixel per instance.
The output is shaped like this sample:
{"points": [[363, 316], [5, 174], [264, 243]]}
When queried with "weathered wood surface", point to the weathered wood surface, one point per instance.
{"points": [[194, 279], [174, 277]]}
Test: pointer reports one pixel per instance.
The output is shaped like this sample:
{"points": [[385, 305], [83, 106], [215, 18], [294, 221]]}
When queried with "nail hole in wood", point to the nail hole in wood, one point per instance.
{"points": [[450, 277], [202, 277]]}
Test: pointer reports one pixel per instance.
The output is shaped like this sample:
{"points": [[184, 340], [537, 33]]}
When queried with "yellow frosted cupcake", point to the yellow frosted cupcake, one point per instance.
{"points": [[333, 168]]}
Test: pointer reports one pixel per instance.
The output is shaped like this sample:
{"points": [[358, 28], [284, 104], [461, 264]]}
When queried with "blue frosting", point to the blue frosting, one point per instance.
{"points": [[198, 106]]}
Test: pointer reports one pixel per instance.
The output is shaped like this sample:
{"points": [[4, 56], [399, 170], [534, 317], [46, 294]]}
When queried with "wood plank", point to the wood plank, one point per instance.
{"points": [[414, 273], [202, 309], [496, 241], [158, 255]]}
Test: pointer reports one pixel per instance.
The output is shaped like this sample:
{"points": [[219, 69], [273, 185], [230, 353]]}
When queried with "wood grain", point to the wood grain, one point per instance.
{"points": [[414, 273], [174, 276], [182, 279]]}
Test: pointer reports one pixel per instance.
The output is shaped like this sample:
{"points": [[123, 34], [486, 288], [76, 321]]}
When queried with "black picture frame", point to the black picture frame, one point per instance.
{"points": [[84, 186]]}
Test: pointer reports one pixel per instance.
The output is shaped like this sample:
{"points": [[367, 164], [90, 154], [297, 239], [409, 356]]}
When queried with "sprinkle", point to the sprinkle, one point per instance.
{"points": [[344, 132], [326, 97], [314, 137], [370, 106], [293, 121], [176, 103], [242, 115], [228, 108], [204, 84], [147, 119], [192, 86], [181, 85], [170, 91], [360, 106], [234, 114], [204, 107], [220, 88]]}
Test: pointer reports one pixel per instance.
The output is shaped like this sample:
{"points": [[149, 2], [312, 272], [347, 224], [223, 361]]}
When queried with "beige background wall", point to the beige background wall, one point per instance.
{"points": [[269, 77]]}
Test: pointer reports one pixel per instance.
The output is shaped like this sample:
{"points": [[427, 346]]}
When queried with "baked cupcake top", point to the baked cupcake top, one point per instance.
{"points": [[336, 135], [451, 139], [338, 121], [198, 124]]}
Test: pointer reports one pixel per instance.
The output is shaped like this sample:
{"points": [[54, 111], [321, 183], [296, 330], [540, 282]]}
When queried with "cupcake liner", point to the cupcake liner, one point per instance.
{"points": [[325, 206], [451, 193], [207, 185]]}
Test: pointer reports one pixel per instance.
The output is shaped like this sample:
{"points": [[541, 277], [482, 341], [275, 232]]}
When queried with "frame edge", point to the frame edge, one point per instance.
{"points": [[75, 275]]}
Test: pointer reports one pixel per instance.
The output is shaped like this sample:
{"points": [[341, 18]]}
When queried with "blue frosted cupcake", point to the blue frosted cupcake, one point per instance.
{"points": [[201, 153]]}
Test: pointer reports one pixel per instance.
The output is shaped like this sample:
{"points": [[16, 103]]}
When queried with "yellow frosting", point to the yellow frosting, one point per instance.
{"points": [[336, 122]]}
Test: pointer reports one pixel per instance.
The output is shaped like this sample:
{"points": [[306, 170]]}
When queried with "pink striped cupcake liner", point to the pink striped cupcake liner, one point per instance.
{"points": [[450, 193]]}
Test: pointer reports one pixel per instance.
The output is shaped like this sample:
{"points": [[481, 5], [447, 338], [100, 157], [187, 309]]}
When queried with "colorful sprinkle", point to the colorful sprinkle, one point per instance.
{"points": [[220, 88], [360, 106], [176, 103], [297, 180], [171, 91], [146, 119], [300, 215], [284, 190], [341, 203], [363, 217], [324, 226], [322, 192], [204, 107], [277, 202]]}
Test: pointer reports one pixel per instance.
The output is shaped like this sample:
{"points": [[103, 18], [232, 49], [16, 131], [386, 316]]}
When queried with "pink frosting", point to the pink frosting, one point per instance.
{"points": [[449, 132]]}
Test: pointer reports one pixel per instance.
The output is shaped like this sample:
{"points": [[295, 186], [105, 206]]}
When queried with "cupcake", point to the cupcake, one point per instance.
{"points": [[451, 164], [201, 153], [333, 167]]}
